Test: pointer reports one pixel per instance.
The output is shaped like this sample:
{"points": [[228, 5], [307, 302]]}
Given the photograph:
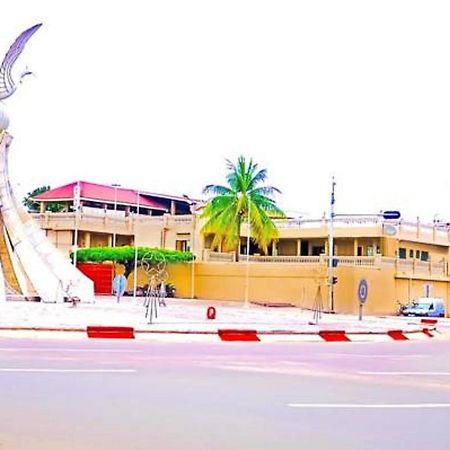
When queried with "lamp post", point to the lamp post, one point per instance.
{"points": [[247, 267], [135, 247], [331, 250], [76, 207], [192, 210], [115, 209]]}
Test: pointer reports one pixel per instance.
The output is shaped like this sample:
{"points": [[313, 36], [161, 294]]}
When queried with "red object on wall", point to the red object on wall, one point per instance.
{"points": [[101, 274], [211, 313]]}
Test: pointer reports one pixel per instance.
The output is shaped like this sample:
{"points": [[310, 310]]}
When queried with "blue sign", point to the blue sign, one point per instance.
{"points": [[363, 290], [391, 214]]}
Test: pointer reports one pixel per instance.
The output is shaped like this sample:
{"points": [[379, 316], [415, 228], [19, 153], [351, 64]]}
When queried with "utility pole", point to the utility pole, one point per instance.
{"points": [[135, 246], [331, 279], [247, 267], [76, 207]]}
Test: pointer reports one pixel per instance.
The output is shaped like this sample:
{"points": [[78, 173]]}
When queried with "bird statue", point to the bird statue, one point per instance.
{"points": [[7, 84]]}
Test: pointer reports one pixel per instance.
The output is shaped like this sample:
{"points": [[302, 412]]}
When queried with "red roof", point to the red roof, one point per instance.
{"points": [[100, 193]]}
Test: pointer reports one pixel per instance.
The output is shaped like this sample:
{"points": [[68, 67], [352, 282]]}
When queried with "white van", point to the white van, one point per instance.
{"points": [[425, 307]]}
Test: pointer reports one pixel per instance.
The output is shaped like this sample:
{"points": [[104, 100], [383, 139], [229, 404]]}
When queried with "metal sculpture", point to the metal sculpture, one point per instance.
{"points": [[7, 84], [154, 265]]}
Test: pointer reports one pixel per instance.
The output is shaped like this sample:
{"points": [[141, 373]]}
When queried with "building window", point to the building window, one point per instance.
{"points": [[418, 254], [402, 253], [182, 245], [318, 250], [424, 256], [411, 253]]}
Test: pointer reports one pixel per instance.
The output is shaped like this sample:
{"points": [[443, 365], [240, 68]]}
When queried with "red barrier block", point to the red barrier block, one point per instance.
{"points": [[429, 321], [110, 332], [397, 335], [334, 335], [238, 335], [428, 332]]}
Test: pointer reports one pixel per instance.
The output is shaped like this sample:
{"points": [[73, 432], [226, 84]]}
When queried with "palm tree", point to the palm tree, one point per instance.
{"points": [[231, 205]]}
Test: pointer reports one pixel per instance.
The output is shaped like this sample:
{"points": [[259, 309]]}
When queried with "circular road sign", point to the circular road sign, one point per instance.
{"points": [[363, 290]]}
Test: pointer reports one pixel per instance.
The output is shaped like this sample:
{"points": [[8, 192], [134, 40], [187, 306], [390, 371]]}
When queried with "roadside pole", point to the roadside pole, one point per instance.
{"points": [[247, 267], [136, 247], [331, 250], [192, 208], [76, 207]]}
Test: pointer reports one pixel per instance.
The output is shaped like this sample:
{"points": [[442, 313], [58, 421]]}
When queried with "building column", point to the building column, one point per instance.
{"points": [[42, 208], [110, 240], [299, 247], [355, 247], [87, 239], [172, 208]]}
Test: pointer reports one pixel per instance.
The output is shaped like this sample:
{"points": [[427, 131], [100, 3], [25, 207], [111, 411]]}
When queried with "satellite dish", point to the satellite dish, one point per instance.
{"points": [[389, 230]]}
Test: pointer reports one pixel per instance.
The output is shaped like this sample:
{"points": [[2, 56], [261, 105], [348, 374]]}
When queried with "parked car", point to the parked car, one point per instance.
{"points": [[425, 307]]}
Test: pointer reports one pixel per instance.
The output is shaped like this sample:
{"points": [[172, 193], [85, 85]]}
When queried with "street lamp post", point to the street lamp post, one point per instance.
{"points": [[115, 209], [192, 210], [247, 266], [135, 247], [76, 207], [331, 250]]}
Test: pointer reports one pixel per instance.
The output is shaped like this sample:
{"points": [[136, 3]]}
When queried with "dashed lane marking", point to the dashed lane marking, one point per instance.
{"points": [[370, 406]]}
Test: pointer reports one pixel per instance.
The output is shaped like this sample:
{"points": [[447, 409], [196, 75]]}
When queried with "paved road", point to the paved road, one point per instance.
{"points": [[105, 394]]}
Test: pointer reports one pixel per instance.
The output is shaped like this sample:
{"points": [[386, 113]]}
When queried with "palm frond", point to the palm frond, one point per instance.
{"points": [[231, 205]]}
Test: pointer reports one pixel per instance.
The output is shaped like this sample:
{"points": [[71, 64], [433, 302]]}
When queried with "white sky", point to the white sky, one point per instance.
{"points": [[155, 95]]}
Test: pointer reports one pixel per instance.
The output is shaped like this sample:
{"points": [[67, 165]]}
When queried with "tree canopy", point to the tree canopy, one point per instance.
{"points": [[33, 205], [125, 255], [243, 197]]}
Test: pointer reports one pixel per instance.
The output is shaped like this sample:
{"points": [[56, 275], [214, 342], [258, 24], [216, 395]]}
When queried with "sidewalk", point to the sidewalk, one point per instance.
{"points": [[190, 316]]}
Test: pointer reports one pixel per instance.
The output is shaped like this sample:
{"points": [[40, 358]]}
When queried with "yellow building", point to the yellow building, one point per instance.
{"points": [[400, 260]]}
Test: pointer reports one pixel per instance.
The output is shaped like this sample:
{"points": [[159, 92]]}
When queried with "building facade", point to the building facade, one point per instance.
{"points": [[400, 260]]}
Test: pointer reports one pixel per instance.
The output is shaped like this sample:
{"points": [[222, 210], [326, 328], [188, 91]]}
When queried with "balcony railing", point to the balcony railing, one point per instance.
{"points": [[402, 267]]}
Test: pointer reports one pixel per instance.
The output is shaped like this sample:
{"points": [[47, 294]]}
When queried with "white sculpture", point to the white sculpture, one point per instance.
{"points": [[33, 263]]}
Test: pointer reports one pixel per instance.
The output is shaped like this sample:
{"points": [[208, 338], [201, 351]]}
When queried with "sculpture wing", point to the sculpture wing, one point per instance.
{"points": [[7, 85]]}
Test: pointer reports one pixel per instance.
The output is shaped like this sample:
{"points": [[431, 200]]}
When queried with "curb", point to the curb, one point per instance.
{"points": [[244, 335]]}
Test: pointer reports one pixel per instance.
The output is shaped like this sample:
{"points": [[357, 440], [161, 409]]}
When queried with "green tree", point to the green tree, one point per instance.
{"points": [[125, 255], [231, 204], [34, 206]]}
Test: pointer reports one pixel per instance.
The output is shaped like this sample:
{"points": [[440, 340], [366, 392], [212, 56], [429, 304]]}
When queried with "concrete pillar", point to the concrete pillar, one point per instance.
{"points": [[110, 240], [87, 239], [172, 208], [42, 207], [355, 247], [299, 247]]}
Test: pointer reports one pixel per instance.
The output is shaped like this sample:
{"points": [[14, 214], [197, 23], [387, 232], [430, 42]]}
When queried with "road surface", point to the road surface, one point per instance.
{"points": [[125, 394]]}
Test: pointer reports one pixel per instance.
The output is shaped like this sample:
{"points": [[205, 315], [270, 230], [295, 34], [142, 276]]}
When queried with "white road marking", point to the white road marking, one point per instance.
{"points": [[9, 349], [436, 374], [367, 355], [370, 406], [32, 370]]}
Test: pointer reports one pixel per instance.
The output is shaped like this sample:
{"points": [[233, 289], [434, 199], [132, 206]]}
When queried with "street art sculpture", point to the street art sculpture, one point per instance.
{"points": [[155, 268], [31, 267], [7, 84]]}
